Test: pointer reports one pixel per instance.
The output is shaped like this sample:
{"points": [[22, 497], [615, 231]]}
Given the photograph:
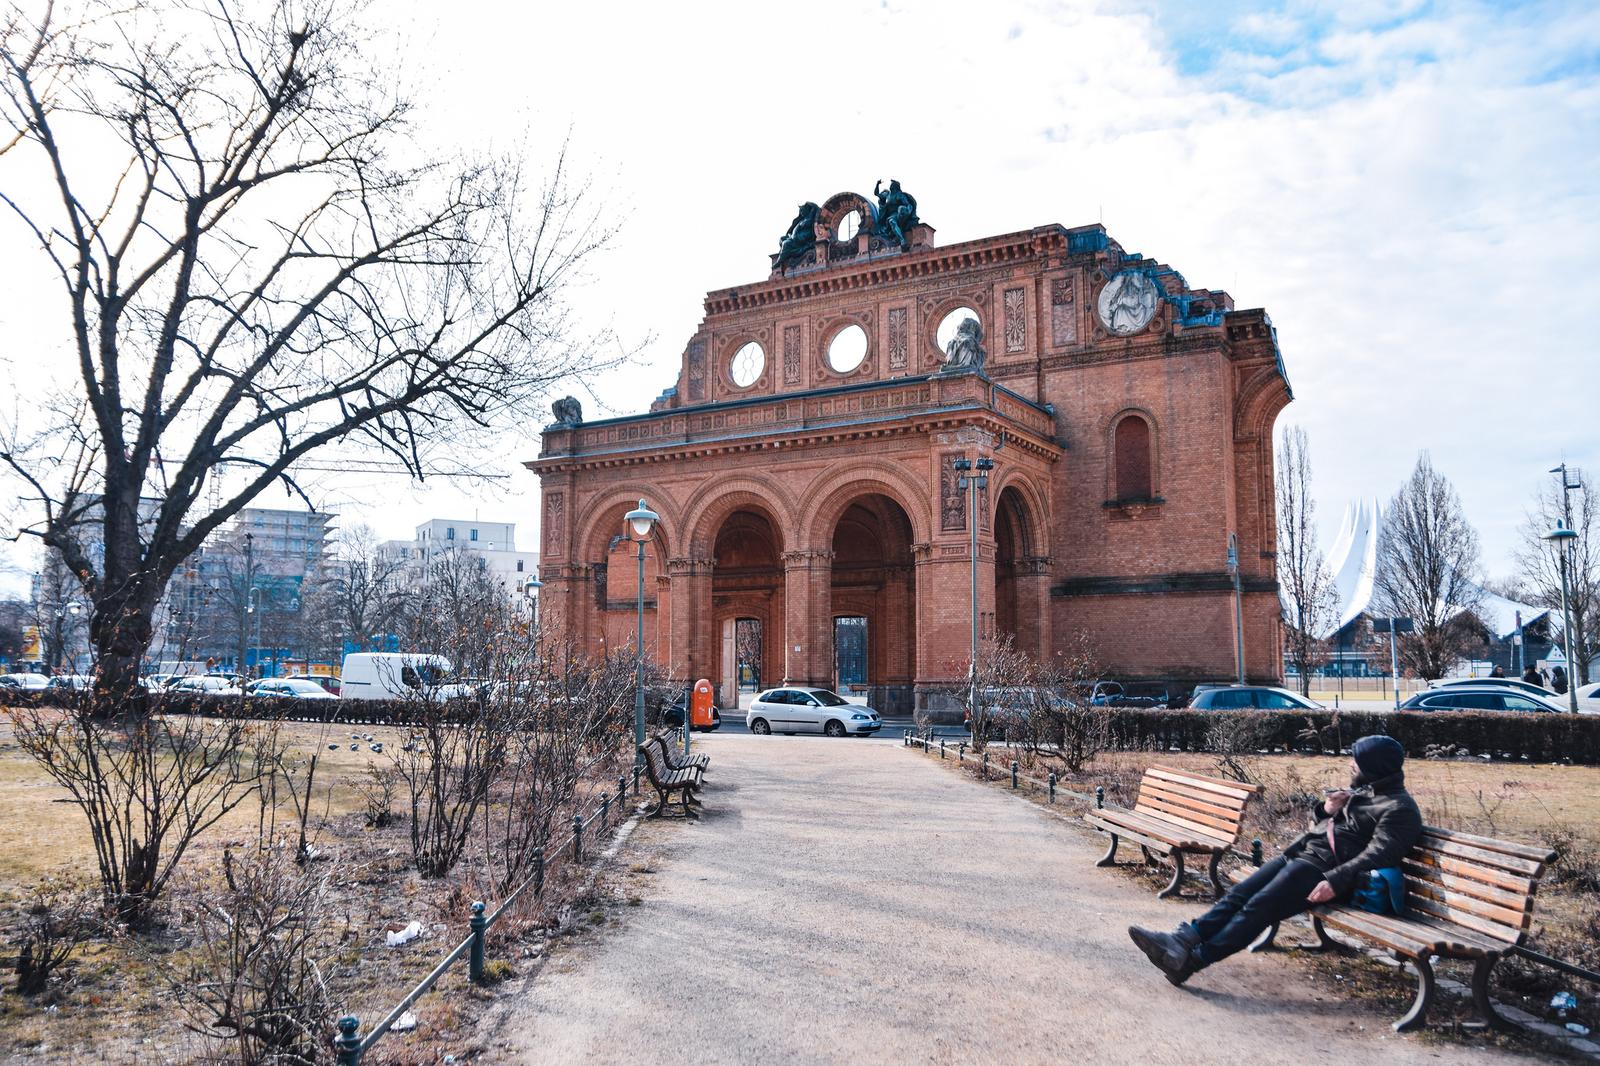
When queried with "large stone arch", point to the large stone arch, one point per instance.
{"points": [[832, 494], [594, 529], [1035, 514], [708, 511]]}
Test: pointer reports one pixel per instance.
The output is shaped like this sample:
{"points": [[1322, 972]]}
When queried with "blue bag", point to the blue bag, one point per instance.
{"points": [[1383, 892]]}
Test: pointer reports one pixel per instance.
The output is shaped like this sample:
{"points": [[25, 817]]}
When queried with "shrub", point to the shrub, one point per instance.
{"points": [[49, 928]]}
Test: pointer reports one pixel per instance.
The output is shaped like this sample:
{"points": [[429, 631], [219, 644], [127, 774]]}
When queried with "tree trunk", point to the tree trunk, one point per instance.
{"points": [[120, 632]]}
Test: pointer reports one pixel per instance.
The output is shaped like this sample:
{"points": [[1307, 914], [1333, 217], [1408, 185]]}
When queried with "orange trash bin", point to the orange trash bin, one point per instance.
{"points": [[702, 707]]}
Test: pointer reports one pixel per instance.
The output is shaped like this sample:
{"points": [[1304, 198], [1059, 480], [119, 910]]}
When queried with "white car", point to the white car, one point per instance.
{"points": [[290, 688], [1514, 683], [76, 682], [205, 685], [810, 710], [31, 682], [1589, 698]]}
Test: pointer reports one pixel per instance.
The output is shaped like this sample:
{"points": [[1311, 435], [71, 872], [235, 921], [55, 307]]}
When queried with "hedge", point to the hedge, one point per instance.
{"points": [[1571, 738]]}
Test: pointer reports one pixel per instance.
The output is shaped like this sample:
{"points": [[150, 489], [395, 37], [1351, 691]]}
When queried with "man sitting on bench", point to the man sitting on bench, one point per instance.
{"points": [[1369, 826]]}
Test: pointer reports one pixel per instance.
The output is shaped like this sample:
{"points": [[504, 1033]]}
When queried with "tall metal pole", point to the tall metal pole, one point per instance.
{"points": [[972, 522], [1394, 663], [1566, 632], [638, 695], [1567, 485], [1238, 605]]}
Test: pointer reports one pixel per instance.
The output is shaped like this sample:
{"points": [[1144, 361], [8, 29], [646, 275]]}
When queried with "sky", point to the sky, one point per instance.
{"points": [[1408, 188]]}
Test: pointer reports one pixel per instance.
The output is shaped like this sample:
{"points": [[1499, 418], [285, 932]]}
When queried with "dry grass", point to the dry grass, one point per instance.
{"points": [[114, 1008]]}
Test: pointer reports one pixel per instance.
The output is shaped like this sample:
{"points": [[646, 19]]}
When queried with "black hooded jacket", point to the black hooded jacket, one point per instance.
{"points": [[1374, 830]]}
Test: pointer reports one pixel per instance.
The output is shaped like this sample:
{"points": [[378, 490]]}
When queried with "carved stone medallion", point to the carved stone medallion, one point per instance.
{"points": [[1127, 303]]}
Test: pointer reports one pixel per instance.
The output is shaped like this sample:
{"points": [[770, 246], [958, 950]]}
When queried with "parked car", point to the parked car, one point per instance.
{"points": [[1589, 698], [398, 675], [1006, 710], [206, 685], [74, 682], [30, 682], [328, 684], [1251, 698], [1481, 698], [810, 710], [289, 688], [1492, 682], [1130, 694]]}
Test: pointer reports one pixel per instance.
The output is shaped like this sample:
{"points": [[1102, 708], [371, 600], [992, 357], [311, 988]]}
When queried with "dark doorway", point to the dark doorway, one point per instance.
{"points": [[850, 651]]}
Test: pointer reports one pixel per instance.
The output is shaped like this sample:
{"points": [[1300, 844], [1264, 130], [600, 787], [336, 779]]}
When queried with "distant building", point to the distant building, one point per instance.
{"points": [[494, 542]]}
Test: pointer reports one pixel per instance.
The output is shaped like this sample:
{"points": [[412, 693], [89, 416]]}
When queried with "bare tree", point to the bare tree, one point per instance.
{"points": [[58, 611], [1310, 608], [1427, 558], [254, 268], [1541, 567], [364, 590]]}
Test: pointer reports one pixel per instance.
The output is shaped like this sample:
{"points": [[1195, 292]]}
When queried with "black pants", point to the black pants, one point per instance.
{"points": [[1276, 891]]}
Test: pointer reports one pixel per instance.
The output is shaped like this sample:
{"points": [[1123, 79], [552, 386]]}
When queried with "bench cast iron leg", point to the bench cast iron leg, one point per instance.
{"points": [[1417, 1016], [1264, 942], [1216, 882], [1177, 876], [1480, 993], [1110, 857], [1324, 941], [660, 809], [1149, 859], [688, 812]]}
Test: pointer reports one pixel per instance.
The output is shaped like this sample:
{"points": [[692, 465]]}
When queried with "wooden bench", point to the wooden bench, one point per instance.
{"points": [[666, 781], [1178, 813], [1467, 897], [675, 760]]}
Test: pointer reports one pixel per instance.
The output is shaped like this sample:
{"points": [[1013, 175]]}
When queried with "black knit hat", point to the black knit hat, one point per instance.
{"points": [[1378, 756]]}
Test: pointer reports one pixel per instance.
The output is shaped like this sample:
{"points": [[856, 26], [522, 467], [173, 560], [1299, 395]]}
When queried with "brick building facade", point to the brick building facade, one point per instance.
{"points": [[804, 468]]}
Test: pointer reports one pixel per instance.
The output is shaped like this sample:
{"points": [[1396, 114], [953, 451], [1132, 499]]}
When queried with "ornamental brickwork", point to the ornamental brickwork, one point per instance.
{"points": [[818, 484]]}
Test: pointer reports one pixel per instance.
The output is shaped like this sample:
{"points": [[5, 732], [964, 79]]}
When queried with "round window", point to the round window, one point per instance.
{"points": [[849, 226], [847, 349], [748, 362], [950, 324]]}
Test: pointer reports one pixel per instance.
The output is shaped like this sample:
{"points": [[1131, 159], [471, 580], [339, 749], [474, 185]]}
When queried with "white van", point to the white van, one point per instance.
{"points": [[397, 675]]}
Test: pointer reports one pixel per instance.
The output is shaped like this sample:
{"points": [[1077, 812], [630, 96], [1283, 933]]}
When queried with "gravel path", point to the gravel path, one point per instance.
{"points": [[850, 901]]}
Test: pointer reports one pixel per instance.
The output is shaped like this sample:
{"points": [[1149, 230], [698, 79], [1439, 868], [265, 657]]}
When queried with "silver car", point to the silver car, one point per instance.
{"points": [[800, 709]]}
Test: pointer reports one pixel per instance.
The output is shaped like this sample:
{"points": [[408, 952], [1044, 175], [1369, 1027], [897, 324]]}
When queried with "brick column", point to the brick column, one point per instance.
{"points": [[808, 617], [1033, 607], [564, 603], [690, 613]]}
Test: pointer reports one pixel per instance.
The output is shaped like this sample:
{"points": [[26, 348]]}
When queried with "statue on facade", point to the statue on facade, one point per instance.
{"points": [[568, 411], [800, 238], [897, 212], [965, 350]]}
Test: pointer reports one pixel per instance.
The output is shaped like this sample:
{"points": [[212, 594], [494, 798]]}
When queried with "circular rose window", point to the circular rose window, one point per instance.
{"points": [[847, 349], [950, 324], [748, 363], [849, 226]]}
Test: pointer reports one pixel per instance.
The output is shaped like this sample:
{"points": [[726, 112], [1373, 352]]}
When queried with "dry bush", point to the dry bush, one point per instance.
{"points": [[377, 789], [254, 981], [49, 927], [148, 786], [1236, 739]]}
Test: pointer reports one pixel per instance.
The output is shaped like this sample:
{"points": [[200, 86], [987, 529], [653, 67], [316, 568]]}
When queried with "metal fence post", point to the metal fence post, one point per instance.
{"points": [[622, 794], [1052, 786], [1255, 852], [1013, 773], [347, 1045], [577, 838], [962, 753], [941, 749], [538, 870], [636, 781], [986, 766], [1100, 796], [475, 957], [605, 809]]}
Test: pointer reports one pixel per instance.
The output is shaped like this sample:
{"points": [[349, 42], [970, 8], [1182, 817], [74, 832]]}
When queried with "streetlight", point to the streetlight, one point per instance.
{"points": [[530, 591], [1561, 537], [1238, 608], [641, 521], [253, 607], [972, 483]]}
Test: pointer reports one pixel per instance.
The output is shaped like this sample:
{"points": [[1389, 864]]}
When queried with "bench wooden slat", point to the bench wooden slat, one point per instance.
{"points": [[1461, 868], [1159, 846], [1226, 820], [1457, 916], [1434, 877], [1196, 791], [1209, 784], [1165, 807], [1183, 816], [1481, 856], [1541, 855], [1206, 802], [1357, 921], [1418, 892], [1187, 837]]}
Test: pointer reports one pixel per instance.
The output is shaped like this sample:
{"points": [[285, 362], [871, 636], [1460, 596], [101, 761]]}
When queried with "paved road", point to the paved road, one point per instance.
{"points": [[848, 901]]}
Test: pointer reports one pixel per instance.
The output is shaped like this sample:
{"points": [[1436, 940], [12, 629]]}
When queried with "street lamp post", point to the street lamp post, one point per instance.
{"points": [[641, 522], [253, 608], [1561, 537], [974, 475], [1238, 608]]}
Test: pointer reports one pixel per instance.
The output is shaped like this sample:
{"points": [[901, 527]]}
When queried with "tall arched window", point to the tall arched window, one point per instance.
{"points": [[1132, 448]]}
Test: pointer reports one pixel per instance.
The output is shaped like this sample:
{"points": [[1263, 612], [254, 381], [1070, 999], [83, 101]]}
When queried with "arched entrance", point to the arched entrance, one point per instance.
{"points": [[1021, 594], [747, 601], [1010, 540], [873, 603]]}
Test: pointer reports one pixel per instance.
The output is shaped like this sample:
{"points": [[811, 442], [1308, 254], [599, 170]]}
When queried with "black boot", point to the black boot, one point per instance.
{"points": [[1172, 953]]}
